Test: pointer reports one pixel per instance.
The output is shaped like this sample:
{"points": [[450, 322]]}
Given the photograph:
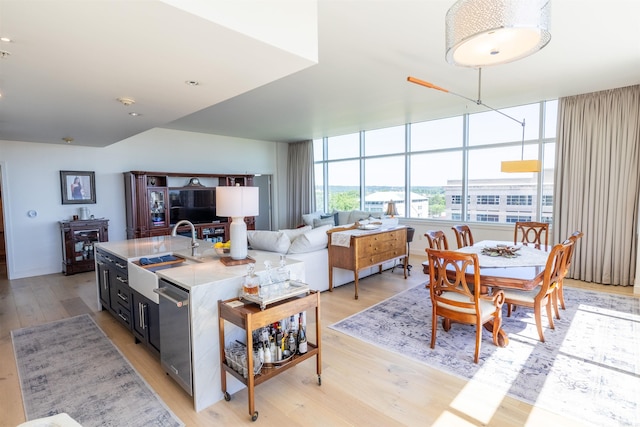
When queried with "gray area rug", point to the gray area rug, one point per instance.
{"points": [[588, 368], [71, 366]]}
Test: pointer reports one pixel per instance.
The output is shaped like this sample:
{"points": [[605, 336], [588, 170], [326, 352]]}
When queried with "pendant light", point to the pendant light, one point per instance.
{"points": [[480, 33], [507, 166]]}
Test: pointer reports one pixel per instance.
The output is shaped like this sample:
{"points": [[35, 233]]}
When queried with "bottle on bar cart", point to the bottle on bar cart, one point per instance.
{"points": [[302, 334]]}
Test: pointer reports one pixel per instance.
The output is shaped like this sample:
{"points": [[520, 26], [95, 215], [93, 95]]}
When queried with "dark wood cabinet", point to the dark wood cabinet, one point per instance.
{"points": [[149, 203], [146, 322], [78, 238], [113, 286]]}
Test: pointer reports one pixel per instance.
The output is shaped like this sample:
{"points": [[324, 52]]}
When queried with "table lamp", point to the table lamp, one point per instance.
{"points": [[391, 209], [237, 202]]}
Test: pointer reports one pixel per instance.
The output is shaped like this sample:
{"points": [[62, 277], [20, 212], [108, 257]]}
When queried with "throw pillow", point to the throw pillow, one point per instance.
{"points": [[272, 241], [295, 232], [311, 241]]}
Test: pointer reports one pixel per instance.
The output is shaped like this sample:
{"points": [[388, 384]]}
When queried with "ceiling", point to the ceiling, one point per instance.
{"points": [[70, 61]]}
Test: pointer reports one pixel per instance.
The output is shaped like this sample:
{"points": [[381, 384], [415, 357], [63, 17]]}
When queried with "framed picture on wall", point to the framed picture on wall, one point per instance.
{"points": [[78, 187]]}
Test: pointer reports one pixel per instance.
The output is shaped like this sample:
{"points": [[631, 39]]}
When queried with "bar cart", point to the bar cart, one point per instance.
{"points": [[250, 316]]}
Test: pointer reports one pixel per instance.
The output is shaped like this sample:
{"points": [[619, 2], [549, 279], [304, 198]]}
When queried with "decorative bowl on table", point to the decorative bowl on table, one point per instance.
{"points": [[507, 251]]}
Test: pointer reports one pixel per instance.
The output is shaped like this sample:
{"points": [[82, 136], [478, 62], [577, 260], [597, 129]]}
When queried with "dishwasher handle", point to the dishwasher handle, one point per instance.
{"points": [[164, 293]]}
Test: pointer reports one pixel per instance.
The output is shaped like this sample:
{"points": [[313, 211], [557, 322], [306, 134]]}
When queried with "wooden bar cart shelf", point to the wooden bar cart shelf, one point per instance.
{"points": [[249, 317]]}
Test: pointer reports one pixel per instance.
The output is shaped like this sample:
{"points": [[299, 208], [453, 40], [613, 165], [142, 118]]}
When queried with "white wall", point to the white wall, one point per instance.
{"points": [[31, 180]]}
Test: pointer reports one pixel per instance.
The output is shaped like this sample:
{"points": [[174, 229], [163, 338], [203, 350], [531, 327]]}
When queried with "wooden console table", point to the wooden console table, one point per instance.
{"points": [[367, 248]]}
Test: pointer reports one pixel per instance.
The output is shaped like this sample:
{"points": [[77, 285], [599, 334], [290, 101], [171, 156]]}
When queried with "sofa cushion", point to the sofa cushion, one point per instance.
{"points": [[342, 217], [311, 241], [358, 215], [324, 221], [292, 233], [272, 241], [308, 218]]}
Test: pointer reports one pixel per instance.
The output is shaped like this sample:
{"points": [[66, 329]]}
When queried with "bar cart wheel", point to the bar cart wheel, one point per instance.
{"points": [[227, 396], [255, 416]]}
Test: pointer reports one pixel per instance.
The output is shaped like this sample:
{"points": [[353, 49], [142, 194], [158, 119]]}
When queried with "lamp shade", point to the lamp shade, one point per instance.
{"points": [[490, 32], [515, 166], [391, 209], [237, 201]]}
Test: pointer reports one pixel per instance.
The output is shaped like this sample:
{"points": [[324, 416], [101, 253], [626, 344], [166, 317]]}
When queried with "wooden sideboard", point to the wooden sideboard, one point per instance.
{"points": [[367, 249]]}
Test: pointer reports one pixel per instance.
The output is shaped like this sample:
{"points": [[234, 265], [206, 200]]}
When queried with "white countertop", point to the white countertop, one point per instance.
{"points": [[207, 267]]}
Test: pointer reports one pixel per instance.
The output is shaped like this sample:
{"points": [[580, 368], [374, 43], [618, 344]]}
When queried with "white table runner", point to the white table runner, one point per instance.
{"points": [[343, 238], [528, 256]]}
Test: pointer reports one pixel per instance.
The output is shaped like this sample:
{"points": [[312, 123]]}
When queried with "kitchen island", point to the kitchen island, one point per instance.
{"points": [[207, 280]]}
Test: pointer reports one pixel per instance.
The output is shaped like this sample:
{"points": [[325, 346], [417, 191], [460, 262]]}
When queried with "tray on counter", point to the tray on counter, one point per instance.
{"points": [[275, 292]]}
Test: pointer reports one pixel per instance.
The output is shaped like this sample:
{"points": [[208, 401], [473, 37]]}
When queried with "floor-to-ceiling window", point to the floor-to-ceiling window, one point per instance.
{"points": [[444, 169]]}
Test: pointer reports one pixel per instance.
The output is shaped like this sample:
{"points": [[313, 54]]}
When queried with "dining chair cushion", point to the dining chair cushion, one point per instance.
{"points": [[487, 308], [521, 296]]}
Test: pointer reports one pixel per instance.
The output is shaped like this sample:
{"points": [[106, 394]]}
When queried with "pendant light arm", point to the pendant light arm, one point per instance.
{"points": [[476, 101]]}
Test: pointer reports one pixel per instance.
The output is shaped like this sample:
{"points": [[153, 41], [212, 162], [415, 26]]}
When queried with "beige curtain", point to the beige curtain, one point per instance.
{"points": [[597, 183], [301, 185]]}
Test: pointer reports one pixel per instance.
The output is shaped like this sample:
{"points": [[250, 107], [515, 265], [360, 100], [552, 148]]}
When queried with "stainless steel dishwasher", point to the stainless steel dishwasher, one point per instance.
{"points": [[175, 333]]}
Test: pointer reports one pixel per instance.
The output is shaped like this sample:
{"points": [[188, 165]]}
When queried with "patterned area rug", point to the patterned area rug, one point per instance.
{"points": [[71, 366], [588, 368]]}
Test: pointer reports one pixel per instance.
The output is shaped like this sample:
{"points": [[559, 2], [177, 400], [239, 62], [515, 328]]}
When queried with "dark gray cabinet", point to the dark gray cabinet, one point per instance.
{"points": [[146, 322], [113, 286]]}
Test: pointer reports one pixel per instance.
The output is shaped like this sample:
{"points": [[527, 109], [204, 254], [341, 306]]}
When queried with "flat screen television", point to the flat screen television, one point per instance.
{"points": [[197, 205]]}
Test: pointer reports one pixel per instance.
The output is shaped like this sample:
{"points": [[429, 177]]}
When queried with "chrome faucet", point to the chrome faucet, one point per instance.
{"points": [[194, 244]]}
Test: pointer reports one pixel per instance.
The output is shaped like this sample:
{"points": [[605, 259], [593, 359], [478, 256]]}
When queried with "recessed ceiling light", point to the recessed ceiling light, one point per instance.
{"points": [[192, 82], [134, 114], [5, 39]]}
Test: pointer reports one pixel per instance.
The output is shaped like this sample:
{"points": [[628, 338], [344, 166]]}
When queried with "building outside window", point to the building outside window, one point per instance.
{"points": [[519, 199], [427, 168], [487, 217], [484, 199]]}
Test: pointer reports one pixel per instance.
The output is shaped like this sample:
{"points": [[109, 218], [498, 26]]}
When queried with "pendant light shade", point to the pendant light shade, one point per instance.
{"points": [[480, 33], [515, 166]]}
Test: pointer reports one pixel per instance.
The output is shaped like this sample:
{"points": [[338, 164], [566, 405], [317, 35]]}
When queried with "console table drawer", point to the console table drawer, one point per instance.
{"points": [[379, 258]]}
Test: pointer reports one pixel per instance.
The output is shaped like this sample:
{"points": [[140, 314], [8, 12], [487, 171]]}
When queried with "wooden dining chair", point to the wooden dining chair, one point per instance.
{"points": [[575, 236], [463, 235], [543, 295], [437, 239], [532, 233], [454, 301]]}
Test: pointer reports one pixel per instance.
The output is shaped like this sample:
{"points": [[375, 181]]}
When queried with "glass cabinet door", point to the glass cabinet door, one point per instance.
{"points": [[83, 241], [157, 208]]}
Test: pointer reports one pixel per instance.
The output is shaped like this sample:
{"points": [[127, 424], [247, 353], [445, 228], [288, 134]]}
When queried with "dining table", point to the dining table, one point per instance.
{"points": [[522, 268]]}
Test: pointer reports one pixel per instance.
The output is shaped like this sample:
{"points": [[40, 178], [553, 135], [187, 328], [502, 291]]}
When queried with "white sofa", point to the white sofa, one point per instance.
{"points": [[309, 244]]}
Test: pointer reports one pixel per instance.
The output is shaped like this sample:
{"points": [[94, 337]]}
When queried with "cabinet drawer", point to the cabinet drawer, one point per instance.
{"points": [[390, 236], [112, 261], [378, 247], [379, 258], [124, 316], [122, 295]]}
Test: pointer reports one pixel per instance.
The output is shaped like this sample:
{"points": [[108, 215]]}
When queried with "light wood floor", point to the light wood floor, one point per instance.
{"points": [[361, 385]]}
